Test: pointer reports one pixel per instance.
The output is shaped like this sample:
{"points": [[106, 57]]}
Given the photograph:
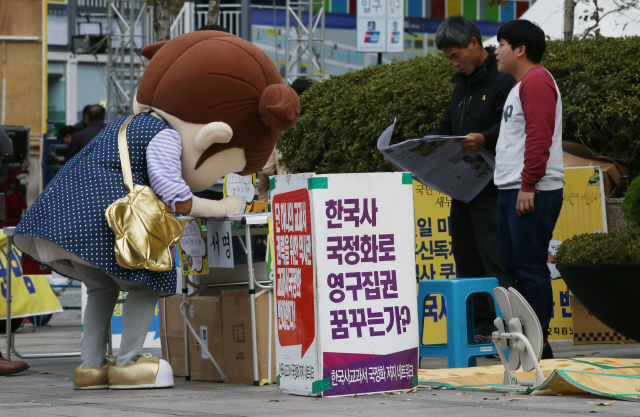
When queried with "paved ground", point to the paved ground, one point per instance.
{"points": [[46, 390]]}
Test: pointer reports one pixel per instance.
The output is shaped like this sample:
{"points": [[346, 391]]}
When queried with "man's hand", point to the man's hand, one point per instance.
{"points": [[473, 143], [524, 204]]}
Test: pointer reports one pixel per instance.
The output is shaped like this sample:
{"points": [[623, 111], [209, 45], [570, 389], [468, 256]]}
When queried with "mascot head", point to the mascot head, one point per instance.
{"points": [[225, 98]]}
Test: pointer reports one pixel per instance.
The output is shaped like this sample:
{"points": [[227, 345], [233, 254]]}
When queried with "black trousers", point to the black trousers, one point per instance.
{"points": [[474, 239]]}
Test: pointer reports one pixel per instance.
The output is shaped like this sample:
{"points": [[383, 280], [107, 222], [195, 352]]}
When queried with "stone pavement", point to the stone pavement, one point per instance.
{"points": [[46, 390]]}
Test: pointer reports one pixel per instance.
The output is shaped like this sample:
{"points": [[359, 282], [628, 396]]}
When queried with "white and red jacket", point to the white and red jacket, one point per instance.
{"points": [[529, 149]]}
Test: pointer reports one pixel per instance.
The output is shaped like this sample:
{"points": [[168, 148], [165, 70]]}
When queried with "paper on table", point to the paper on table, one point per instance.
{"points": [[440, 163]]}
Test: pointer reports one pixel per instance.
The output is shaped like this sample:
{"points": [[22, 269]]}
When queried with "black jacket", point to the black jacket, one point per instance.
{"points": [[83, 137], [477, 102]]}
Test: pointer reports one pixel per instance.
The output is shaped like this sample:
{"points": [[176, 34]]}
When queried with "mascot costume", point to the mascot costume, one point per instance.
{"points": [[208, 104]]}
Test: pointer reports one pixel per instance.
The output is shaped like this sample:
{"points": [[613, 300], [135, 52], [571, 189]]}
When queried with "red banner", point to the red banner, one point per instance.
{"points": [[294, 269]]}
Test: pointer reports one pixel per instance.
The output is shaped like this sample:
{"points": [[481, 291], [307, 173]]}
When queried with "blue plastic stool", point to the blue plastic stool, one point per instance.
{"points": [[460, 349]]}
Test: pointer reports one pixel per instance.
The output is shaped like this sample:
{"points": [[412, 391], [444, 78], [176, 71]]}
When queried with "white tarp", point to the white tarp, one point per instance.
{"points": [[549, 14]]}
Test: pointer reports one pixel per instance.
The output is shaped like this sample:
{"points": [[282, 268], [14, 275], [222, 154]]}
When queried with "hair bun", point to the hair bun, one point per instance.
{"points": [[279, 107]]}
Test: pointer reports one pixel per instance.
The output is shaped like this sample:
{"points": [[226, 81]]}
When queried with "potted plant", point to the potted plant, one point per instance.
{"points": [[603, 269]]}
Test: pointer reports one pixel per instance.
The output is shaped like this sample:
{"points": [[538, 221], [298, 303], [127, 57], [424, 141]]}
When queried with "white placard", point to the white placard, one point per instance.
{"points": [[364, 244], [395, 26], [380, 26], [241, 185], [371, 26], [219, 244]]}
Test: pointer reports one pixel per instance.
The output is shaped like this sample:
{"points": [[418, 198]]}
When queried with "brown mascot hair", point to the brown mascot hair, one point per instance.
{"points": [[209, 76]]}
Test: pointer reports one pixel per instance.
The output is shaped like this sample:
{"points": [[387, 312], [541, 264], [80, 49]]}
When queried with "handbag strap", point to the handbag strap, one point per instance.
{"points": [[124, 155]]}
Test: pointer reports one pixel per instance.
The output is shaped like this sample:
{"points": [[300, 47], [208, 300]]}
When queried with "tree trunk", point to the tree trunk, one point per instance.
{"points": [[569, 8], [214, 12], [161, 20]]}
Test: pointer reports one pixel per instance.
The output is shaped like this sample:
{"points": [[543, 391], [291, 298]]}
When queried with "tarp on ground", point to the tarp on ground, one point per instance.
{"points": [[602, 377]]}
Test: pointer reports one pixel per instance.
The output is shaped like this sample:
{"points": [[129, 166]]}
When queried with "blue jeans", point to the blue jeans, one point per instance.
{"points": [[524, 246]]}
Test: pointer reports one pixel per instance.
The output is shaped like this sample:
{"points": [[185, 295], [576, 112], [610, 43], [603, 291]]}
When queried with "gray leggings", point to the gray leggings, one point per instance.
{"points": [[102, 294]]}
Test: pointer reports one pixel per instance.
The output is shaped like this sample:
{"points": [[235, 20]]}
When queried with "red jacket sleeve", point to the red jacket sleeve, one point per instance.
{"points": [[538, 96]]}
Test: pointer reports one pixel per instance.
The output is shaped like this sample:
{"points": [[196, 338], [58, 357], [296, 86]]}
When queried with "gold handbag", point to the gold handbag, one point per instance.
{"points": [[144, 226]]}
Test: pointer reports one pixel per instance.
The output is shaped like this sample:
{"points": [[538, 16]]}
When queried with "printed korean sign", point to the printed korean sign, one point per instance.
{"points": [[433, 255], [380, 26], [293, 271], [371, 26], [366, 294], [395, 26], [583, 211], [219, 247]]}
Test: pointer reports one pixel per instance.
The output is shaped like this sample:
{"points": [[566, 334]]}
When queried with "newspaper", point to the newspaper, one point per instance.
{"points": [[440, 163]]}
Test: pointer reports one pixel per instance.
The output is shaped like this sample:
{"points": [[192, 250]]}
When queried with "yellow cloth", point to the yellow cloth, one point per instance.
{"points": [[31, 295]]}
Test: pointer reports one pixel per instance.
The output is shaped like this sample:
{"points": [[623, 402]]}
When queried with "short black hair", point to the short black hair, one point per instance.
{"points": [[86, 108], [67, 130], [96, 113], [457, 31], [524, 33], [214, 27], [300, 85]]}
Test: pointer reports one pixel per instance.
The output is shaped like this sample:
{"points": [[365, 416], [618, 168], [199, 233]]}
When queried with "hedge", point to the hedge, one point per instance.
{"points": [[343, 116]]}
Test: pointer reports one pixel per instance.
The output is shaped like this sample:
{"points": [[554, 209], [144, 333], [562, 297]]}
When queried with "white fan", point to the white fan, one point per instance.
{"points": [[520, 331]]}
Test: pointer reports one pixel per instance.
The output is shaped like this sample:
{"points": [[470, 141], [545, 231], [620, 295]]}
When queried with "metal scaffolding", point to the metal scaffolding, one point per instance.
{"points": [[126, 38], [302, 43]]}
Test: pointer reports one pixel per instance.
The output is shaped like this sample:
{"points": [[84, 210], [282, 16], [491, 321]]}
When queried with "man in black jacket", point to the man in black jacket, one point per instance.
{"points": [[475, 111], [80, 139]]}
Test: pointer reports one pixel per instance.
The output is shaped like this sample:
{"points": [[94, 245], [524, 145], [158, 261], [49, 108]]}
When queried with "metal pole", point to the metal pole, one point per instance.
{"points": [[109, 59], [287, 26], [187, 366], [8, 231], [245, 20], [310, 50], [252, 304], [72, 15]]}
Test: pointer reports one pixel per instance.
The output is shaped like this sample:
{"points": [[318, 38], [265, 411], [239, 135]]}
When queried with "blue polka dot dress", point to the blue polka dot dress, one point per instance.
{"points": [[70, 212]]}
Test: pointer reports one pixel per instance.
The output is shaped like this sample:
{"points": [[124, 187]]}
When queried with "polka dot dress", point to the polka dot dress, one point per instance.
{"points": [[70, 212]]}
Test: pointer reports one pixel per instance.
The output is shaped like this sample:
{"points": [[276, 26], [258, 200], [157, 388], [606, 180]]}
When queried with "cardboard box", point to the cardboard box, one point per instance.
{"points": [[576, 155], [588, 330], [236, 316], [172, 333], [205, 315]]}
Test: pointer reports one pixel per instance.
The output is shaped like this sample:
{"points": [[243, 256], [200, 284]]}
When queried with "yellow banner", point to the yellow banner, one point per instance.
{"points": [[582, 212], [31, 294]]}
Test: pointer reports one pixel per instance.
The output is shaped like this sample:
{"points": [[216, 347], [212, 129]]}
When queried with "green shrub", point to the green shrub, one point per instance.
{"points": [[621, 245], [631, 205], [344, 116], [599, 82], [598, 79]]}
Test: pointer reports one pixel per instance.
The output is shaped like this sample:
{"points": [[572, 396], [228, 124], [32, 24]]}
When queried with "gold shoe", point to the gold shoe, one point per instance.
{"points": [[146, 372], [93, 378]]}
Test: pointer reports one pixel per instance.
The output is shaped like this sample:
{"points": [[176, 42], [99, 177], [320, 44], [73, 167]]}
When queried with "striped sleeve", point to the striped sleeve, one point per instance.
{"points": [[165, 168]]}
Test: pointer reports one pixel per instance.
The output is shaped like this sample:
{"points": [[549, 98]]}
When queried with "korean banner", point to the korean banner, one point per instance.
{"points": [[31, 294], [366, 295], [292, 247]]}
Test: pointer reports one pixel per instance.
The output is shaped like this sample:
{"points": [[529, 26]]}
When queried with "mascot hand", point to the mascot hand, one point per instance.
{"points": [[202, 207]]}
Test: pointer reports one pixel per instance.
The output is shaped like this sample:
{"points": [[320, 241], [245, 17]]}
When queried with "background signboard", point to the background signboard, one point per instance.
{"points": [[380, 26]]}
